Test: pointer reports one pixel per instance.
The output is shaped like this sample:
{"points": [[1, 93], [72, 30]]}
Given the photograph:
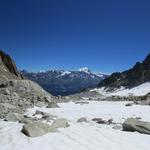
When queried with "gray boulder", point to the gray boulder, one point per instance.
{"points": [[60, 123], [99, 120], [82, 119], [132, 125], [117, 127], [37, 129], [129, 104], [14, 117], [26, 120], [52, 105]]}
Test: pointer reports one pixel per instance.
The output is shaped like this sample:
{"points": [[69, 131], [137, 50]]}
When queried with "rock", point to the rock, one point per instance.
{"points": [[8, 69], [37, 129], [82, 103], [117, 127], [40, 104], [26, 120], [110, 121], [132, 125], [145, 102], [14, 117], [129, 104], [38, 112], [52, 105], [60, 123], [99, 120], [48, 117], [82, 119], [4, 91], [6, 108]]}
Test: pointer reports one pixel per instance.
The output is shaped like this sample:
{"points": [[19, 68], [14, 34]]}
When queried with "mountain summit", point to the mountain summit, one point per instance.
{"points": [[135, 76]]}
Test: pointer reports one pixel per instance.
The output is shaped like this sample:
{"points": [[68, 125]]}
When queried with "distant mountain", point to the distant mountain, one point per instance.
{"points": [[60, 82], [8, 69], [135, 76]]}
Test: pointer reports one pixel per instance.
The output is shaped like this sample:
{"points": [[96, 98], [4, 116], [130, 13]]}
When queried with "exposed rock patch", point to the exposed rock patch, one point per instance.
{"points": [[132, 125]]}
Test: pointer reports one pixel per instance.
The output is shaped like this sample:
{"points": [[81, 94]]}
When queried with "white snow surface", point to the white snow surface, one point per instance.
{"points": [[65, 73], [140, 90], [85, 69], [81, 136]]}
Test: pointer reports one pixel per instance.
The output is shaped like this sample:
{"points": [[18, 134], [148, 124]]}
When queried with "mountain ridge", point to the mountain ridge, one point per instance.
{"points": [[61, 82], [138, 74]]}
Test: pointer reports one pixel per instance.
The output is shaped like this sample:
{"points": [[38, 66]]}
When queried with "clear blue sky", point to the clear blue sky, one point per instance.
{"points": [[104, 35]]}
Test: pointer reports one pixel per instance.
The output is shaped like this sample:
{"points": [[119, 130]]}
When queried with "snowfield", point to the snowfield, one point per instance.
{"points": [[82, 136], [140, 90]]}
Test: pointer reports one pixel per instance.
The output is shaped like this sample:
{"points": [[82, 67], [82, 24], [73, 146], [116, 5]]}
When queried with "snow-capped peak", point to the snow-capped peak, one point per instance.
{"points": [[85, 69], [65, 72]]}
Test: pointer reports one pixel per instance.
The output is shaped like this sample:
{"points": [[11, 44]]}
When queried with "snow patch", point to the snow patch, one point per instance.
{"points": [[140, 90]]}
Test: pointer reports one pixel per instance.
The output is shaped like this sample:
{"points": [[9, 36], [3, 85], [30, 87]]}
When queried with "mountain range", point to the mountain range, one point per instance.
{"points": [[60, 82]]}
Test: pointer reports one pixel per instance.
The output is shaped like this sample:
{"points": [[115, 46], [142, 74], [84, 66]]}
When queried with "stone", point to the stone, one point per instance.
{"points": [[99, 120], [37, 129], [4, 91], [13, 117], [132, 124], [117, 127], [52, 105], [110, 121], [81, 103], [48, 117], [40, 104], [129, 104], [26, 120], [60, 123], [82, 119], [38, 112]]}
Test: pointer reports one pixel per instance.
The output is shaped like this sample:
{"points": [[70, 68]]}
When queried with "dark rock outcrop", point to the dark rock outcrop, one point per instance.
{"points": [[135, 76], [8, 69]]}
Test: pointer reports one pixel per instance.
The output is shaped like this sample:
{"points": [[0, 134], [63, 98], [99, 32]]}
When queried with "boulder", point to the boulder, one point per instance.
{"points": [[52, 105], [48, 117], [38, 112], [26, 120], [129, 104], [60, 123], [82, 103], [14, 117], [82, 119], [37, 129], [132, 125], [117, 127], [99, 120], [4, 91], [40, 104]]}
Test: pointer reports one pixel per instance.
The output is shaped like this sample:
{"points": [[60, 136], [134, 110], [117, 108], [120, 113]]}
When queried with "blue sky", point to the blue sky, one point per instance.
{"points": [[104, 35]]}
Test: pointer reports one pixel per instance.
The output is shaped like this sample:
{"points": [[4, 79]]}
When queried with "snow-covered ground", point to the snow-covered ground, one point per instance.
{"points": [[136, 91], [81, 136]]}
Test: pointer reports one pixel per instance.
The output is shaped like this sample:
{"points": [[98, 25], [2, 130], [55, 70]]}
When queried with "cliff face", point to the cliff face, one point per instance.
{"points": [[8, 69], [135, 76]]}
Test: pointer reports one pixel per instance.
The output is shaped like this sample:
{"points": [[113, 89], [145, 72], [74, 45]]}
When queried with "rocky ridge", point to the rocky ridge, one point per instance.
{"points": [[135, 76], [16, 93]]}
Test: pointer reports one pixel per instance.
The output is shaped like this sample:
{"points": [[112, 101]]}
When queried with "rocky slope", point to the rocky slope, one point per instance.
{"points": [[60, 82], [8, 69], [135, 76], [16, 93]]}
